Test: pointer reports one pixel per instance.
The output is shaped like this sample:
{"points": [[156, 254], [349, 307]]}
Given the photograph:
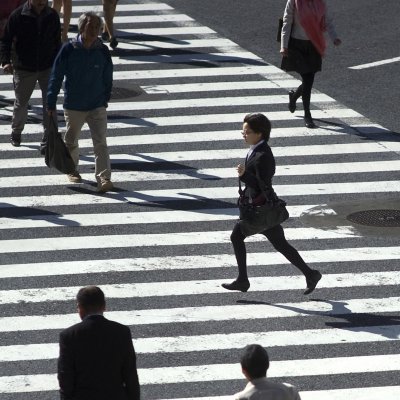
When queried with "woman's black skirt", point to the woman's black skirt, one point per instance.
{"points": [[302, 58]]}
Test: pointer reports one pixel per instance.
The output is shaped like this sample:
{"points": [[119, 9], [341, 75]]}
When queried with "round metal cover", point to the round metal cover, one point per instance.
{"points": [[119, 93], [382, 218]]}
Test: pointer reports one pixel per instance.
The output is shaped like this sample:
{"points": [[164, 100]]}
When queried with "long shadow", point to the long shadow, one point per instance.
{"points": [[372, 133], [384, 325], [128, 197], [29, 213], [137, 121], [149, 161], [184, 56]]}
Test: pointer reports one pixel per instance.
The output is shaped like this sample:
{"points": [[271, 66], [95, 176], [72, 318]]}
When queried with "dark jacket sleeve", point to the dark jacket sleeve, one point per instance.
{"points": [[66, 373], [265, 166], [129, 370], [57, 75], [108, 74], [6, 41]]}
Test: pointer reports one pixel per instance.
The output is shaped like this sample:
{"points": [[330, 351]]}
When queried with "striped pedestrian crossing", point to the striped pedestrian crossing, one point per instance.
{"points": [[159, 245]]}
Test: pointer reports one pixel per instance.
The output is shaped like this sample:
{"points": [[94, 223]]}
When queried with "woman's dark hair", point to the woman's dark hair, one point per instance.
{"points": [[255, 360], [259, 123], [91, 298]]}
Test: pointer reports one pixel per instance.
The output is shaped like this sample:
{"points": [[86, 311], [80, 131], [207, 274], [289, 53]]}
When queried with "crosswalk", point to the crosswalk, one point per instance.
{"points": [[159, 244]]}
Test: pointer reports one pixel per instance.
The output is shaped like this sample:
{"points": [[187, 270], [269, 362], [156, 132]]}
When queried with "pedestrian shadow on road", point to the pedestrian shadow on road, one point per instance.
{"points": [[155, 164], [34, 214], [364, 132], [185, 57], [387, 326], [190, 203]]}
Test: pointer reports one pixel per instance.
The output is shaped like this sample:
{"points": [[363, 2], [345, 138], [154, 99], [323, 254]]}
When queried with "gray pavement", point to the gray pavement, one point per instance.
{"points": [[159, 244]]}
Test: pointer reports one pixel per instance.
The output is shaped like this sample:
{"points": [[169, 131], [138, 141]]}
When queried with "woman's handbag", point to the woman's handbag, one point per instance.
{"points": [[56, 152], [263, 212]]}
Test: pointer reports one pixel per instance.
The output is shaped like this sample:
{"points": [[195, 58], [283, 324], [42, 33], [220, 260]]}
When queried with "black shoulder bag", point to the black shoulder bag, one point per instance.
{"points": [[255, 217], [56, 152]]}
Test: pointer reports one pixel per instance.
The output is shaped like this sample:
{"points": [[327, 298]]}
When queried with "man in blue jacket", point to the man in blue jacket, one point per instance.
{"points": [[28, 48], [88, 69]]}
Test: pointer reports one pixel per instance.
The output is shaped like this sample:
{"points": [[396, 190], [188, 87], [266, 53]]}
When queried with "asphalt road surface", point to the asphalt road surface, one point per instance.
{"points": [[185, 75]]}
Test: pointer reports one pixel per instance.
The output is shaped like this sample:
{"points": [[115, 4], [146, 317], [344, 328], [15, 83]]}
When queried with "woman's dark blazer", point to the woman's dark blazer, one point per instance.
{"points": [[97, 361], [263, 161]]}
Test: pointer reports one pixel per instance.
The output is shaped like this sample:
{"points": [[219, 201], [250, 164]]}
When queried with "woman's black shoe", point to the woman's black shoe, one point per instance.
{"points": [[292, 101], [113, 43], [105, 36], [309, 123], [242, 286], [312, 281]]}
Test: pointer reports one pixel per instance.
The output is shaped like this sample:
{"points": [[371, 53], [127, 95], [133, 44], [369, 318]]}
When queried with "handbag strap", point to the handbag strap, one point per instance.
{"points": [[261, 184]]}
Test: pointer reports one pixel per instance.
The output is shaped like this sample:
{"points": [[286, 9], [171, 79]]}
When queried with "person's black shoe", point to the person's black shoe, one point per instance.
{"points": [[312, 281], [242, 286], [105, 36], [42, 148], [309, 123], [15, 139], [292, 101], [114, 43]]}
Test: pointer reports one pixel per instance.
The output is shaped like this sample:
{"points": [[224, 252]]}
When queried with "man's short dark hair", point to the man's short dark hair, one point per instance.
{"points": [[259, 123], [255, 361], [91, 298]]}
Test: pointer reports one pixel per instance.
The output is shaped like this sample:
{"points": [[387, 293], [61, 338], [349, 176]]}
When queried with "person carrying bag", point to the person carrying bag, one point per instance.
{"points": [[261, 211], [56, 152]]}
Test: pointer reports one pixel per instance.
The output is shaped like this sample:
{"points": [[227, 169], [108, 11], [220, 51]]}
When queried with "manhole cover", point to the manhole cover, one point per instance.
{"points": [[383, 218], [119, 93]]}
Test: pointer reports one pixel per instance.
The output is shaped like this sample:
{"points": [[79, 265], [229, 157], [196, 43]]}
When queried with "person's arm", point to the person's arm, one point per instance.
{"points": [[65, 369], [330, 27], [262, 165], [6, 44], [288, 17], [108, 74], [129, 370], [57, 76]]}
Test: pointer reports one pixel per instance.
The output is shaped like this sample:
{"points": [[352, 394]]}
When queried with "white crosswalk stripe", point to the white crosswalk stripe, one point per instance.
{"points": [[159, 245]]}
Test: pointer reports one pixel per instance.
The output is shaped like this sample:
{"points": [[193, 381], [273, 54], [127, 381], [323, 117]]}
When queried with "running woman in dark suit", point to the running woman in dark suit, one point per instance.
{"points": [[256, 133], [97, 360]]}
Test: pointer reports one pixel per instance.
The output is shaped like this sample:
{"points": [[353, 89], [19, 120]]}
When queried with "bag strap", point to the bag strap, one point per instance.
{"points": [[270, 196]]}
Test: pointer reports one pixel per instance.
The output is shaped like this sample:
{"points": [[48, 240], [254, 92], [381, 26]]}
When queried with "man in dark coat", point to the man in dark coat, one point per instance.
{"points": [[97, 360], [31, 41]]}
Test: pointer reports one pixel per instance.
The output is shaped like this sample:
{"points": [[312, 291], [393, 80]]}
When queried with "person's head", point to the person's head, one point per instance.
{"points": [[90, 300], [38, 5], [90, 25], [254, 362], [256, 127]]}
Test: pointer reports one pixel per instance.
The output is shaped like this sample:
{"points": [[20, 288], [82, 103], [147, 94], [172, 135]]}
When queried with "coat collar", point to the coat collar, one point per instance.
{"points": [[28, 10], [260, 146]]}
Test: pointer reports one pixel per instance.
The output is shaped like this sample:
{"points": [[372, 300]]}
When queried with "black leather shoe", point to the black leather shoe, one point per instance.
{"points": [[42, 148], [309, 123], [113, 43], [292, 102], [15, 140], [105, 36], [242, 286], [312, 281]]}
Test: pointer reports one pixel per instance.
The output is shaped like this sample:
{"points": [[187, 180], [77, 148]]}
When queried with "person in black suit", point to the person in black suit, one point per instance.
{"points": [[260, 160], [97, 360]]}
